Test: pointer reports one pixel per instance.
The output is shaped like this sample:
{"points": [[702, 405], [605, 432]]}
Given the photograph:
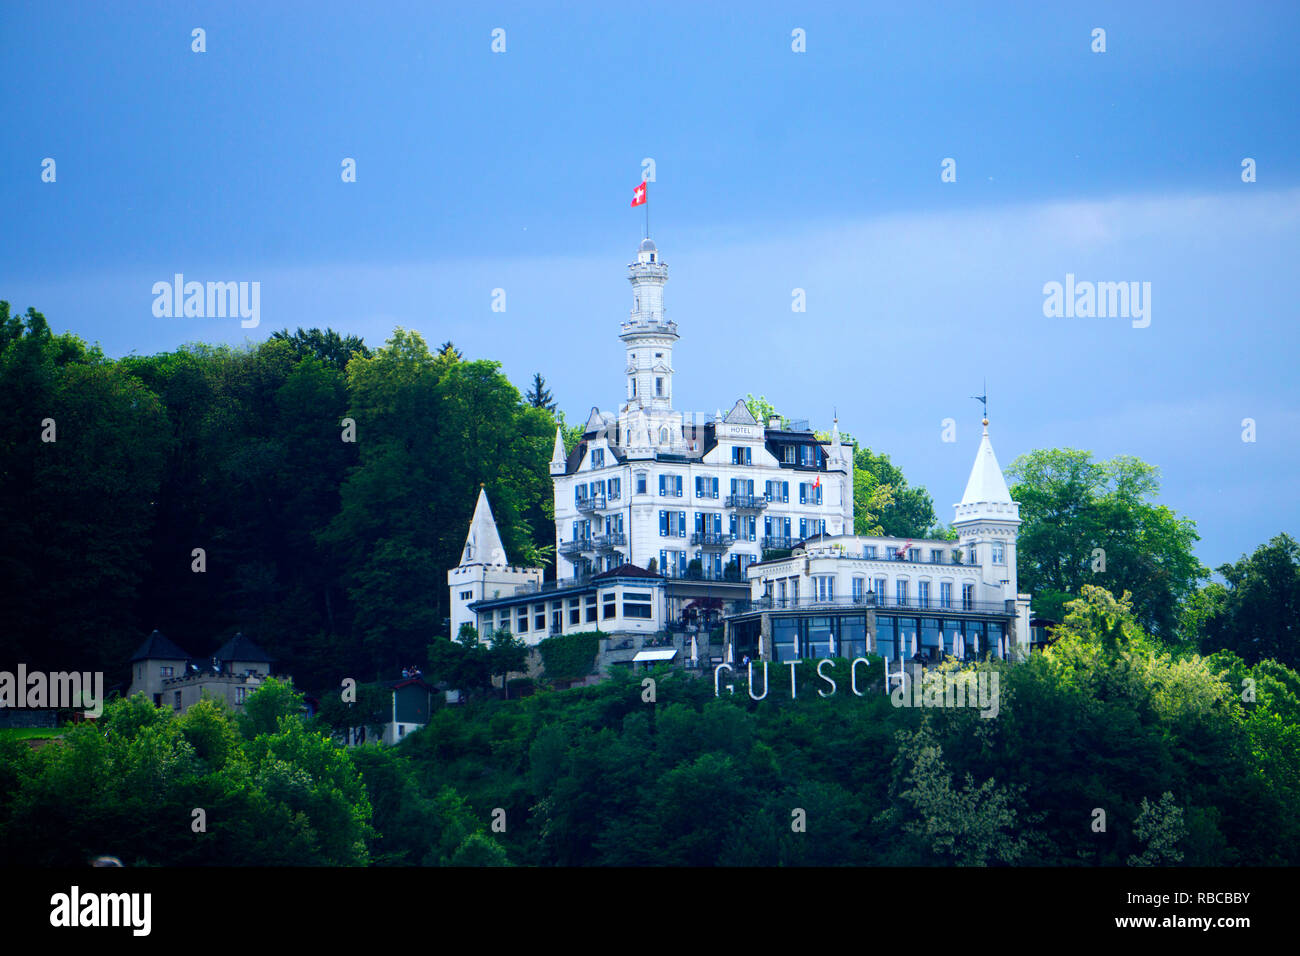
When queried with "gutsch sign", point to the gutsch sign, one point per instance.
{"points": [[933, 688]]}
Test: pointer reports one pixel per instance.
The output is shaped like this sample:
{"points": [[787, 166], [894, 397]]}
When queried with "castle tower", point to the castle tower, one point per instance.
{"points": [[483, 571], [648, 335], [987, 521]]}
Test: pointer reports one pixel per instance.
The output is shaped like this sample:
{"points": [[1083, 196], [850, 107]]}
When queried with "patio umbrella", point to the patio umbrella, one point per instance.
{"points": [[914, 643], [695, 651]]}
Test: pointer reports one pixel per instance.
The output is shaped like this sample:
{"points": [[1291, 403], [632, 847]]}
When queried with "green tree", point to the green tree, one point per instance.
{"points": [[265, 707], [1091, 522], [506, 655], [539, 396], [889, 505], [1255, 615]]}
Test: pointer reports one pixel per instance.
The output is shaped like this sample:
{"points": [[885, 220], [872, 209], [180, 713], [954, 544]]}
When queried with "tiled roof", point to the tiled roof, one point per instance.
{"points": [[157, 647]]}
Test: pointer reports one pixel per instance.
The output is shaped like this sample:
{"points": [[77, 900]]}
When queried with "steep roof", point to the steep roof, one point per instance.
{"points": [[986, 483], [240, 648], [483, 543], [740, 414], [157, 647]]}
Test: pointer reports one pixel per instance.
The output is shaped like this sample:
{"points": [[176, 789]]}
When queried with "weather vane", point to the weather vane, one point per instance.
{"points": [[985, 400]]}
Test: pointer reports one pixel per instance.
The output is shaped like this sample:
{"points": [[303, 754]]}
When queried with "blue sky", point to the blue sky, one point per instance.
{"points": [[775, 170]]}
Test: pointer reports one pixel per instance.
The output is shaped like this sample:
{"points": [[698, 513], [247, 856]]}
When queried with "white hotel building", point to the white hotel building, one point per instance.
{"points": [[704, 502]]}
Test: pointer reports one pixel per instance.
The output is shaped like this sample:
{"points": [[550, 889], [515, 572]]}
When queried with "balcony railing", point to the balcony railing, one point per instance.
{"points": [[608, 542], [746, 502], [779, 542], [712, 539], [591, 503], [869, 600], [574, 581], [701, 574], [576, 546]]}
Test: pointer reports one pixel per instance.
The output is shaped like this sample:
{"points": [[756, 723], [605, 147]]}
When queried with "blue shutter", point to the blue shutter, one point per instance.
{"points": [[663, 524]]}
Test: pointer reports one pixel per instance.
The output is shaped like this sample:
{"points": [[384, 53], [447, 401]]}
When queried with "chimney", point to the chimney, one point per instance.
{"points": [[774, 422]]}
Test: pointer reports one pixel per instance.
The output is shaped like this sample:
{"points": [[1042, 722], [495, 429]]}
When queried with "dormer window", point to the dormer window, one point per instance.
{"points": [[663, 436]]}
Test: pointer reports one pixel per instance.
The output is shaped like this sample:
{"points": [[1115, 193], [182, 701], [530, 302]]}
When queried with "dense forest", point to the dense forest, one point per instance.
{"points": [[311, 491], [1107, 750]]}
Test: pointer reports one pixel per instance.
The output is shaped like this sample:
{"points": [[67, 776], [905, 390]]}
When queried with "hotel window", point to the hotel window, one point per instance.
{"points": [[967, 596], [974, 555], [166, 671], [999, 554], [663, 436], [539, 617], [900, 591], [176, 700], [637, 604], [787, 454], [740, 456], [825, 588], [945, 594], [857, 589], [785, 632], [914, 554], [640, 482], [869, 551], [881, 587], [956, 556], [591, 608], [936, 556], [615, 488], [886, 643], [240, 694], [780, 593], [923, 593], [598, 458], [521, 622], [466, 595], [610, 606], [557, 619]]}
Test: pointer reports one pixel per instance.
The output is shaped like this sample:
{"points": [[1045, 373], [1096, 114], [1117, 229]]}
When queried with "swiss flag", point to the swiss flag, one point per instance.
{"points": [[638, 195], [818, 482]]}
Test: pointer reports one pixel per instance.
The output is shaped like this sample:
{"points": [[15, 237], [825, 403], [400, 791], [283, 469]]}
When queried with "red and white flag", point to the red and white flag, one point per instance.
{"points": [[638, 195], [818, 482]]}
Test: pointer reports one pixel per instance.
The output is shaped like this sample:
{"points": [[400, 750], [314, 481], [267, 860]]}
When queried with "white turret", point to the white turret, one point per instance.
{"points": [[558, 457], [484, 571], [647, 334], [987, 520]]}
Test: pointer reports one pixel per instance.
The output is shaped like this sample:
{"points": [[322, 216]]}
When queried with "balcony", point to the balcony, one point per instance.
{"points": [[746, 502], [608, 542], [591, 503], [575, 546], [778, 542], [712, 539]]}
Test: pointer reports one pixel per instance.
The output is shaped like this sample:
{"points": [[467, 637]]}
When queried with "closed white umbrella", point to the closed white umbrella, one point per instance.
{"points": [[695, 651], [914, 643]]}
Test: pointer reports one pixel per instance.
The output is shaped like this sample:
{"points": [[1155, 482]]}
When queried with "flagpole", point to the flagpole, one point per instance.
{"points": [[647, 210]]}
